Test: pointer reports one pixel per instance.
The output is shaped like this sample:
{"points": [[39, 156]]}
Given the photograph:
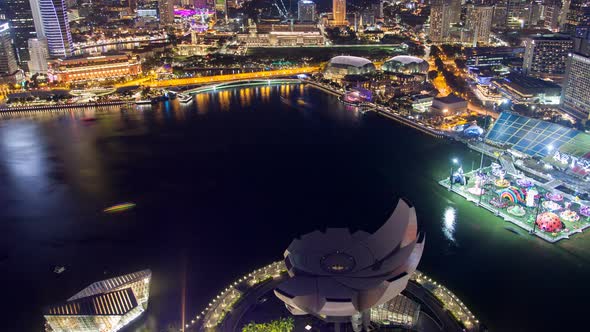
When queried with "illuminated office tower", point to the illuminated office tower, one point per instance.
{"points": [[166, 12], [57, 28], [575, 94], [39, 55], [306, 11], [545, 56], [22, 27], [339, 12], [577, 13], [105, 306], [440, 21], [516, 13], [479, 22], [551, 10], [455, 11], [8, 63]]}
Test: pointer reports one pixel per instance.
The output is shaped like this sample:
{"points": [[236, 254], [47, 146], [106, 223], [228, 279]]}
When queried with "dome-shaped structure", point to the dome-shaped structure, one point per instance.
{"points": [[405, 64], [340, 66], [337, 274], [549, 222]]}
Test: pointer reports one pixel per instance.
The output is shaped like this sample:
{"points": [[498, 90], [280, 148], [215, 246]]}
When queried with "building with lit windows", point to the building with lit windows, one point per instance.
{"points": [[479, 23], [306, 11], [521, 89], [575, 98], [8, 63], [339, 13], [546, 56], [166, 12], [105, 306], [264, 35], [92, 68], [20, 16], [39, 55], [56, 27], [440, 22]]}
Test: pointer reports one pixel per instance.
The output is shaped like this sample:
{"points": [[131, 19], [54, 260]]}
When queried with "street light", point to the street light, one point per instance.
{"points": [[455, 162]]}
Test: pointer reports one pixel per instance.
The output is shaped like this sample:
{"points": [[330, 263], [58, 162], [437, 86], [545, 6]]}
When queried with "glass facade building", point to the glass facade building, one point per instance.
{"points": [[105, 306], [56, 27], [18, 13]]}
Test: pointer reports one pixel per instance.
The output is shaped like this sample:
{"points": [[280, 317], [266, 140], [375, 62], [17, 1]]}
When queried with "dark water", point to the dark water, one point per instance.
{"points": [[222, 186]]}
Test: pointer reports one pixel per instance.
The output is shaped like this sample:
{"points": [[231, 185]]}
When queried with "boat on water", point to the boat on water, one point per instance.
{"points": [[88, 119], [59, 269], [119, 207], [184, 98], [301, 102]]}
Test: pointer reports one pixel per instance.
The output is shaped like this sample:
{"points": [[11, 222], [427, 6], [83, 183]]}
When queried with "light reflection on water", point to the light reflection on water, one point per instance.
{"points": [[449, 220]]}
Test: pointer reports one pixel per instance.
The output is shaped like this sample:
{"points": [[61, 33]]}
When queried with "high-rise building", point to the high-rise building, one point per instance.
{"points": [[455, 11], [306, 11], [577, 13], [8, 63], [105, 306], [18, 13], [166, 12], [500, 13], [551, 10], [516, 13], [575, 96], [56, 27], [39, 55], [479, 22], [440, 22], [339, 12], [545, 56]]}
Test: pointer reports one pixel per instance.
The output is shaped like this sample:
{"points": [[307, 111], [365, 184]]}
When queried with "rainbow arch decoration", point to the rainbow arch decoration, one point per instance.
{"points": [[513, 194]]}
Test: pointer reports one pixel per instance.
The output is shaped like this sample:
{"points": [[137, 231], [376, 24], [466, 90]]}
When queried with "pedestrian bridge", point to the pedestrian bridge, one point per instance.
{"points": [[242, 83]]}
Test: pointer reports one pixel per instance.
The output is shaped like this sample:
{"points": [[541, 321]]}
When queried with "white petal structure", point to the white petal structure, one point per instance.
{"points": [[337, 274]]}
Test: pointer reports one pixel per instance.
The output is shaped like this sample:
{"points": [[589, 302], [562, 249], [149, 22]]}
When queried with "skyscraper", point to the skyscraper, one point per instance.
{"points": [[440, 21], [575, 95], [455, 11], [479, 22], [577, 13], [166, 12], [551, 10], [18, 13], [221, 6], [56, 28], [545, 56], [39, 55], [516, 13], [306, 11], [8, 63], [339, 12]]}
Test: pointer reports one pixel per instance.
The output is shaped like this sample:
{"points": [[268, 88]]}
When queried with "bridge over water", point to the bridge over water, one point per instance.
{"points": [[242, 83]]}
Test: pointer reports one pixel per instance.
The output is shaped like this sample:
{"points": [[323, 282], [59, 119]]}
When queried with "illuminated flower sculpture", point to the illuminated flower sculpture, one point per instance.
{"points": [[339, 276], [549, 222]]}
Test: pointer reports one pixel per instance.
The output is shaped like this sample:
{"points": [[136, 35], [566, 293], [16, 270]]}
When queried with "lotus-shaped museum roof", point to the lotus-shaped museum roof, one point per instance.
{"points": [[338, 273]]}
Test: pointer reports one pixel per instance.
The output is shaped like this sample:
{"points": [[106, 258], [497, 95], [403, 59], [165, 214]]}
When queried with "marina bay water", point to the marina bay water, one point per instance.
{"points": [[221, 187]]}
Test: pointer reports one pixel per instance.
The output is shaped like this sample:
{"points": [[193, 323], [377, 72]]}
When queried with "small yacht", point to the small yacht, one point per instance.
{"points": [[184, 98], [59, 269]]}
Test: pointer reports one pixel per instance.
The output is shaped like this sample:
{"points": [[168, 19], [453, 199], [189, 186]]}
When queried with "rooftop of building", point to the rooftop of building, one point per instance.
{"points": [[349, 60], [450, 99], [528, 83], [406, 59], [549, 37]]}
